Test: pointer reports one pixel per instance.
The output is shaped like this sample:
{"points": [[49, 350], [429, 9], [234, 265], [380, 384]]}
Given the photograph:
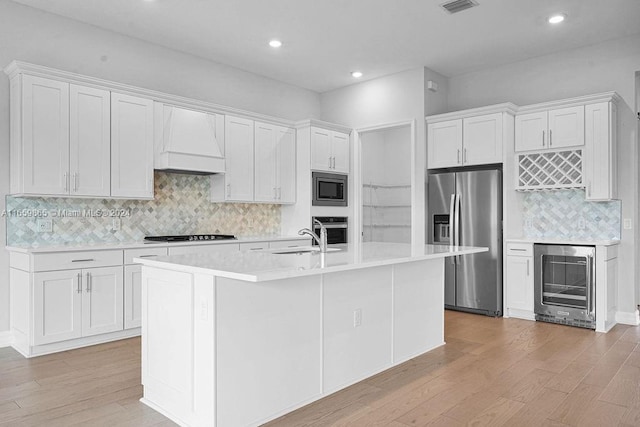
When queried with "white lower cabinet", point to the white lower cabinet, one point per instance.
{"points": [[77, 303], [519, 281], [132, 296]]}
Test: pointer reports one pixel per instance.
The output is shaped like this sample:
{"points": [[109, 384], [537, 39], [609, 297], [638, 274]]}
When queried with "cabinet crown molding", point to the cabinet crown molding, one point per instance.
{"points": [[324, 125], [19, 67], [506, 107], [571, 102]]}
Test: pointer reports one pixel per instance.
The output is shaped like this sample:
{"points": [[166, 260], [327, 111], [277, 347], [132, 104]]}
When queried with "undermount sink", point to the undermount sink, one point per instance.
{"points": [[302, 251]]}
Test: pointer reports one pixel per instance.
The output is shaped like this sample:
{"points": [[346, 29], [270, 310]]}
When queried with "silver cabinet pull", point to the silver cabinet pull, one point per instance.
{"points": [[83, 260], [458, 156], [334, 162], [527, 267], [79, 290], [518, 250], [88, 282], [147, 256], [329, 162], [543, 138], [228, 190], [465, 155], [279, 193], [66, 181], [75, 182], [275, 193], [550, 138]]}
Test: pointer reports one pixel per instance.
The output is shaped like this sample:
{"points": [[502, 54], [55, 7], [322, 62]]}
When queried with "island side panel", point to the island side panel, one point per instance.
{"points": [[357, 325], [268, 345], [418, 308], [168, 342]]}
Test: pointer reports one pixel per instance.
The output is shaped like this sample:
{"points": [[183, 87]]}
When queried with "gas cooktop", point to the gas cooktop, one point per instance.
{"points": [[190, 238]]}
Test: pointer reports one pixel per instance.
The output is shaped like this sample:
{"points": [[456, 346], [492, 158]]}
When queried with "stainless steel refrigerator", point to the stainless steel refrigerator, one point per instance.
{"points": [[465, 208]]}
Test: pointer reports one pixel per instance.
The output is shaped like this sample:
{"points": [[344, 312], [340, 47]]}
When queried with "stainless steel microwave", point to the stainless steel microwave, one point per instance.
{"points": [[329, 189]]}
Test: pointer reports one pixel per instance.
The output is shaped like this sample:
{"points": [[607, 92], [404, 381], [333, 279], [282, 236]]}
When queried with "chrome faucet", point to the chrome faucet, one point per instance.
{"points": [[322, 240]]}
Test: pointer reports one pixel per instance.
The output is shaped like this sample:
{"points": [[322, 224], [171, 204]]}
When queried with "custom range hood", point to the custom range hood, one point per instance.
{"points": [[188, 141]]}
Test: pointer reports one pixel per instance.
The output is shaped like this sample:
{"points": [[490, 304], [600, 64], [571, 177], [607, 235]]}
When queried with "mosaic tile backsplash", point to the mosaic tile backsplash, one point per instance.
{"points": [[564, 214], [181, 206]]}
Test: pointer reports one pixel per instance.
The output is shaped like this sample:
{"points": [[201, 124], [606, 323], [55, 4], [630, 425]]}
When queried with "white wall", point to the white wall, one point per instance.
{"points": [[598, 68], [390, 99], [30, 35]]}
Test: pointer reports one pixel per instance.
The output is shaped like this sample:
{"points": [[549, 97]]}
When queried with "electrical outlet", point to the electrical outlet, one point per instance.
{"points": [[357, 317], [581, 224], [44, 225], [627, 224], [116, 224]]}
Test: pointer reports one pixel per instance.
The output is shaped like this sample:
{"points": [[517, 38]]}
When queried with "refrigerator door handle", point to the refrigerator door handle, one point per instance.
{"points": [[457, 225], [452, 228]]}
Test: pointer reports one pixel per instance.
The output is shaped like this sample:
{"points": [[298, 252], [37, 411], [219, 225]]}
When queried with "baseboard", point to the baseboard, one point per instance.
{"points": [[6, 338], [628, 318]]}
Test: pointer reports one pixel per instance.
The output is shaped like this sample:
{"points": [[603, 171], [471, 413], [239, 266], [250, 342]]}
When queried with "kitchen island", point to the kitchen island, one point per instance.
{"points": [[235, 339]]}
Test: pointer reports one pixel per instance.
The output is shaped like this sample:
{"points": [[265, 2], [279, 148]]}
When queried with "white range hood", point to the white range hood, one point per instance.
{"points": [[188, 141]]}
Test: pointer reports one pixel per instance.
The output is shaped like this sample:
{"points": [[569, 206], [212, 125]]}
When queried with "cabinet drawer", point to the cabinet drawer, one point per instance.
{"points": [[130, 254], [289, 243], [200, 249], [80, 259], [519, 249], [253, 246]]}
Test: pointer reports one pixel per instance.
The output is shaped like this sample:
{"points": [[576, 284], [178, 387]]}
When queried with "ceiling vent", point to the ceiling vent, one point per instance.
{"points": [[456, 6]]}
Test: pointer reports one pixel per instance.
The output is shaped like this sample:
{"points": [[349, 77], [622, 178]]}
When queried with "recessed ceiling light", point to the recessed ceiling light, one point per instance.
{"points": [[275, 43], [557, 18], [356, 74]]}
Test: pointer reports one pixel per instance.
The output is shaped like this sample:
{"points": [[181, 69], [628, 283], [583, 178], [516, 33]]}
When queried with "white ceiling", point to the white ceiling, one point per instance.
{"points": [[324, 40]]}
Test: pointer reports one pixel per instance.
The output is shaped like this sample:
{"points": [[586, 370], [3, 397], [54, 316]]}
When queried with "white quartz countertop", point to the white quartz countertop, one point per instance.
{"points": [[258, 266], [71, 247], [565, 241]]}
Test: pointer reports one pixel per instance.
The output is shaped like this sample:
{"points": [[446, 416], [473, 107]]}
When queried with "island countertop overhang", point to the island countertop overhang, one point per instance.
{"points": [[266, 265]]}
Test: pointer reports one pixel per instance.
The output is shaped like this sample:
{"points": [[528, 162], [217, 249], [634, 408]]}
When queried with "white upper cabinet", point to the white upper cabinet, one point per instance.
{"points": [[329, 150], [74, 140], [131, 147], [236, 184], [40, 143], [275, 164], [188, 140], [557, 128], [444, 141], [90, 142], [471, 137], [600, 161], [482, 139]]}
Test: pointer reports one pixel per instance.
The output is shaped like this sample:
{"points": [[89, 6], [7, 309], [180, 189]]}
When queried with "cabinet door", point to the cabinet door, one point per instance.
{"points": [[57, 306], [286, 169], [520, 283], [239, 159], [444, 142], [600, 152], [132, 296], [102, 300], [45, 136], [131, 147], [340, 152], [266, 152], [321, 150], [566, 127], [531, 131], [482, 139], [90, 141]]}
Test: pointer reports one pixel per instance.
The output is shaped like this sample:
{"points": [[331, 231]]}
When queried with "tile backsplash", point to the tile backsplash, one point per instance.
{"points": [[564, 214], [181, 206]]}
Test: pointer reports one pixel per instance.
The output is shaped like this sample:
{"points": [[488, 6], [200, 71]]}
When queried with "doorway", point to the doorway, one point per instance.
{"points": [[386, 166]]}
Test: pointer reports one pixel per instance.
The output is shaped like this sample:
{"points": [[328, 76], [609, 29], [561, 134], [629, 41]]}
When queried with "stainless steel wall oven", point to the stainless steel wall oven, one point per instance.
{"points": [[337, 228], [564, 285]]}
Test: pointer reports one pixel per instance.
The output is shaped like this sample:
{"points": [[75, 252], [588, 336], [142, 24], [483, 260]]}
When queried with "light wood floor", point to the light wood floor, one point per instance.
{"points": [[491, 372]]}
